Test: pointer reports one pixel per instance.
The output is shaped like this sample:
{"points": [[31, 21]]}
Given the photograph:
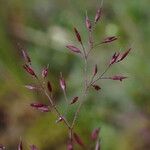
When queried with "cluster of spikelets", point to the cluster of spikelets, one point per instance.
{"points": [[45, 85]]}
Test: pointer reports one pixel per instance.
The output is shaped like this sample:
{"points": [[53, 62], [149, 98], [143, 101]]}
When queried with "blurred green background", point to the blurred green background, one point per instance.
{"points": [[44, 27]]}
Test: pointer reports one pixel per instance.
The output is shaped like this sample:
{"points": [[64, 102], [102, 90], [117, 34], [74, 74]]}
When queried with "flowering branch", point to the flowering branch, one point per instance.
{"points": [[47, 89]]}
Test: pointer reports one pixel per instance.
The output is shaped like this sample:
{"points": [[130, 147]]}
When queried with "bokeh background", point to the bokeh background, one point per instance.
{"points": [[44, 27]]}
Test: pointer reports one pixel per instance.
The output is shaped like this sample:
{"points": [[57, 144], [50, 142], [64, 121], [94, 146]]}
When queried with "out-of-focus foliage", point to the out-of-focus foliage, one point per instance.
{"points": [[122, 110]]}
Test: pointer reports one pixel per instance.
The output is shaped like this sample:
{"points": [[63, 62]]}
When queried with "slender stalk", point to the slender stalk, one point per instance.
{"points": [[84, 94], [65, 96], [76, 114], [84, 51]]}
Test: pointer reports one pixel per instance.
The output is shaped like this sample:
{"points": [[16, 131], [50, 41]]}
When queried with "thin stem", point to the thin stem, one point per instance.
{"points": [[65, 95], [90, 41], [84, 51], [86, 89], [77, 112], [105, 77], [85, 74], [98, 44], [92, 78], [84, 94]]}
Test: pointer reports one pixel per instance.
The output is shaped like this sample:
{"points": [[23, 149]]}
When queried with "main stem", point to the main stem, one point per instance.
{"points": [[84, 94]]}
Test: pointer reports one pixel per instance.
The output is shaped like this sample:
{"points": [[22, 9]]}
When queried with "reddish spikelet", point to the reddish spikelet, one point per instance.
{"points": [[95, 134], [49, 87], [98, 15], [97, 146], [60, 119], [88, 23], [30, 87], [95, 70], [2, 147], [96, 87], [110, 39], [114, 58], [40, 106], [120, 78], [124, 55], [29, 70], [33, 147], [74, 100], [78, 35], [73, 48], [62, 82], [78, 140], [20, 147], [90, 41], [24, 54], [69, 146], [45, 72], [37, 105]]}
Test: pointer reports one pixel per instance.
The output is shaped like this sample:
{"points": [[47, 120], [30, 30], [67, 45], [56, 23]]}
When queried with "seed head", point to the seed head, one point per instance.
{"points": [[118, 77], [124, 55], [20, 147], [29, 70], [45, 72], [98, 15], [74, 100], [73, 48], [49, 86], [96, 87], [33, 147], [88, 23], [95, 70], [78, 140], [40, 106], [95, 133], [62, 82], [77, 35], [109, 39]]}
